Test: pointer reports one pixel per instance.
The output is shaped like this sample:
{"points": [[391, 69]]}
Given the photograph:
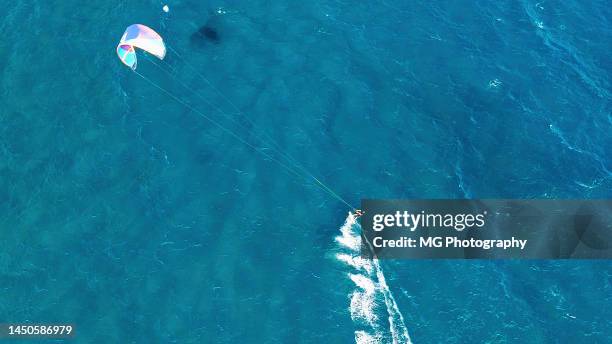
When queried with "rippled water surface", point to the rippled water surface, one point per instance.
{"points": [[138, 220]]}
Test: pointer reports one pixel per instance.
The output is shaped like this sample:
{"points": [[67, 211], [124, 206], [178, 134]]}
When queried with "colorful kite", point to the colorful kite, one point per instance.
{"points": [[143, 37]]}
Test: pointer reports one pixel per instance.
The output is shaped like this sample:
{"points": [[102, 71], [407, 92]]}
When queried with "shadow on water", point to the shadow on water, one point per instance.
{"points": [[210, 31], [205, 34]]}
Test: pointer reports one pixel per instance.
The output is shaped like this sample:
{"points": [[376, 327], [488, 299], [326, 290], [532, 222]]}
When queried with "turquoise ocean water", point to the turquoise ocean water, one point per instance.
{"points": [[141, 222]]}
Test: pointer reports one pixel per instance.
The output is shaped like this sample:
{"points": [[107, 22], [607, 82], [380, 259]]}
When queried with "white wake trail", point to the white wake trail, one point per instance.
{"points": [[371, 296]]}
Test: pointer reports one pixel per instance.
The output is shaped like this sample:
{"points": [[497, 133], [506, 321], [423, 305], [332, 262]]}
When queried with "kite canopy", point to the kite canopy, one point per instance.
{"points": [[143, 37]]}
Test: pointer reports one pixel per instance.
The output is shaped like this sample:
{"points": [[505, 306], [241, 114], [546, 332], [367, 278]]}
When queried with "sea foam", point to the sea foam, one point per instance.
{"points": [[371, 298]]}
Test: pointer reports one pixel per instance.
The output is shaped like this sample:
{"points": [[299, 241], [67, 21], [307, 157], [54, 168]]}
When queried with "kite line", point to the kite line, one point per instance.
{"points": [[322, 185], [145, 38], [275, 146]]}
